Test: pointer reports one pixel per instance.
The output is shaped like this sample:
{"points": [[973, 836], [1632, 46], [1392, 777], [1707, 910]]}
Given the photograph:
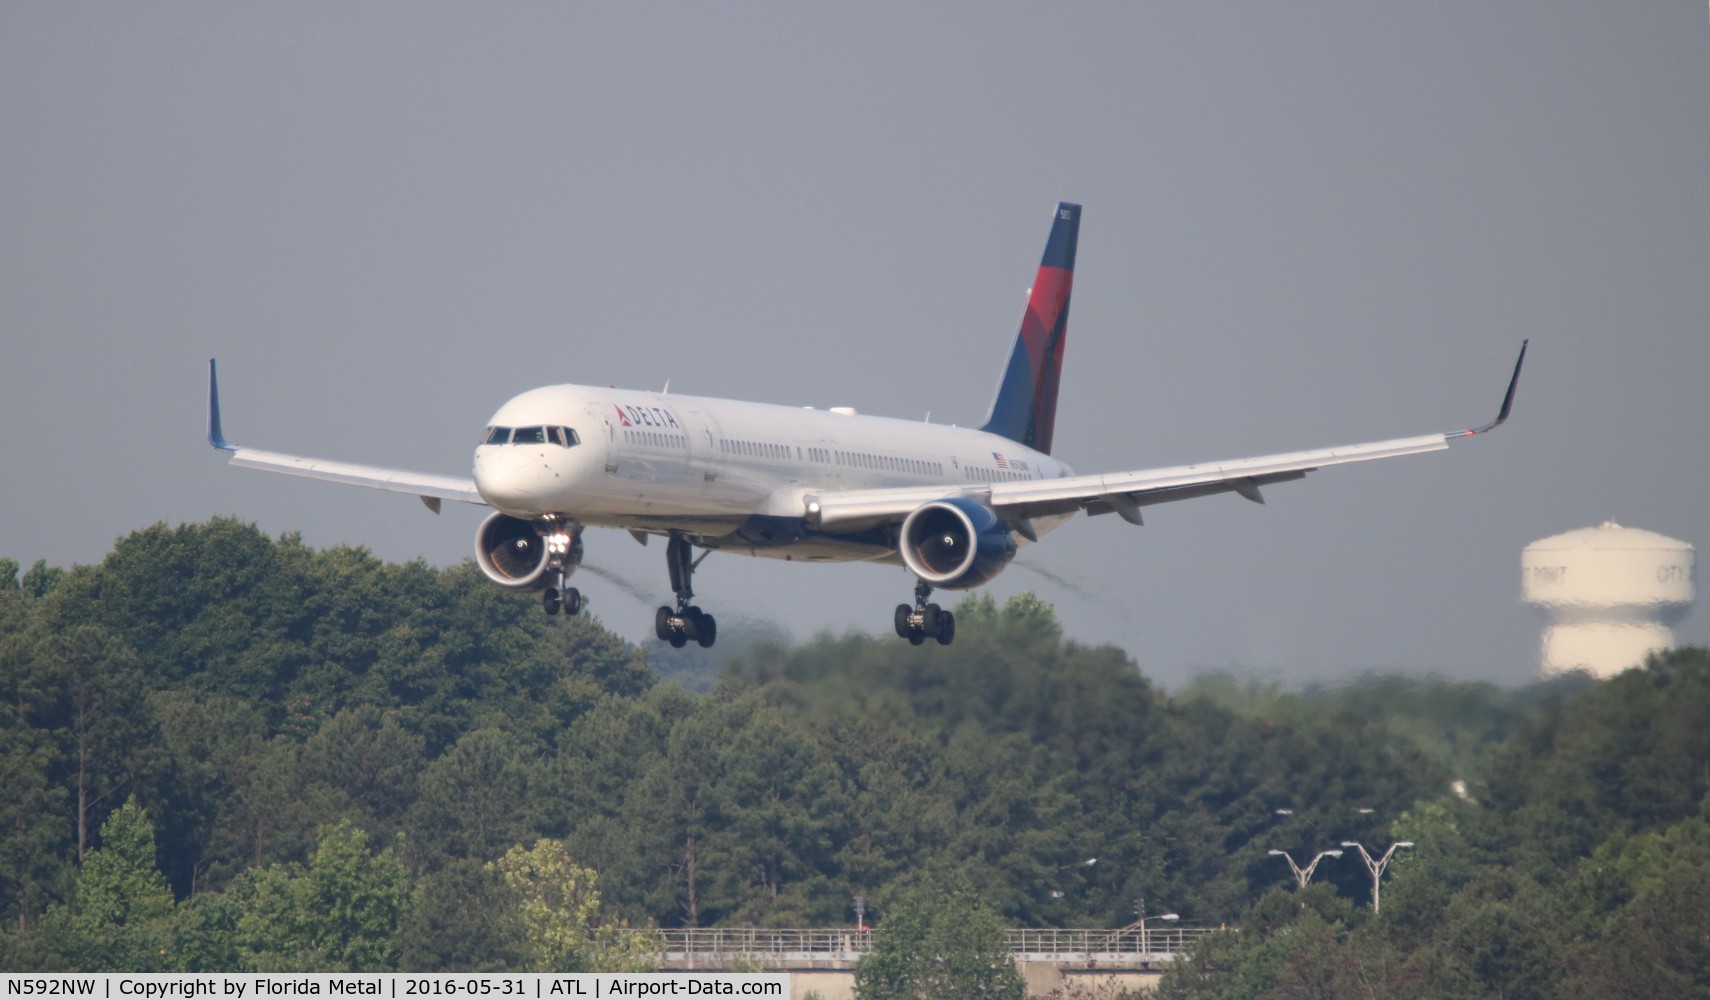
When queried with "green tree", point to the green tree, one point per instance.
{"points": [[938, 940], [739, 819], [41, 579], [1632, 755], [32, 837], [899, 804], [214, 745], [369, 764], [1645, 905], [558, 906], [106, 738], [463, 918], [34, 808], [474, 799], [118, 920], [339, 913], [1504, 936]]}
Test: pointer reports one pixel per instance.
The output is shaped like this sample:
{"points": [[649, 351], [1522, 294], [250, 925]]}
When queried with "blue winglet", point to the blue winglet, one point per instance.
{"points": [[215, 436]]}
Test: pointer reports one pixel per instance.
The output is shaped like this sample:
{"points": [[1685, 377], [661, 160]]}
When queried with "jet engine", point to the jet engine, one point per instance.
{"points": [[516, 554], [955, 543]]}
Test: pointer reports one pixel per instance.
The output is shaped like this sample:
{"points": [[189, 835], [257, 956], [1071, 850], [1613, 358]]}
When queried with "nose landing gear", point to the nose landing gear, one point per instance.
{"points": [[563, 553], [924, 621], [688, 623]]}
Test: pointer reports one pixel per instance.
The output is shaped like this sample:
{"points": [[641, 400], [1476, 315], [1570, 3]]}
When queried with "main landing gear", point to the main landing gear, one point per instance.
{"points": [[563, 552], [567, 598], [924, 621], [688, 623]]}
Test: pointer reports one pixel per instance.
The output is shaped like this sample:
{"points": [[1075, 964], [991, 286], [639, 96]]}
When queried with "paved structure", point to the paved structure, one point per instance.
{"points": [[822, 960]]}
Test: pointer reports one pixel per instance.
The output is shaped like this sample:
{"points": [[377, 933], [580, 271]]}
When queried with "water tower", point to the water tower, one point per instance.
{"points": [[1610, 595]]}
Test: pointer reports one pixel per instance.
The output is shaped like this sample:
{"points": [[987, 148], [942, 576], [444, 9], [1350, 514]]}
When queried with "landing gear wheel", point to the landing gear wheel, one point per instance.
{"points": [[550, 599], [946, 628], [904, 625], [708, 629], [916, 639], [662, 623], [930, 617], [572, 601]]}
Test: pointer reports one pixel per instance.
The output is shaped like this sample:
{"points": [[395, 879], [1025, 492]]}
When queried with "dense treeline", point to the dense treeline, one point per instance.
{"points": [[1582, 869], [212, 733]]}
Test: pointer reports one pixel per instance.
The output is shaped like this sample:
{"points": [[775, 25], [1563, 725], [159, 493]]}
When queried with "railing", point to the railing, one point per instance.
{"points": [[766, 942], [1063, 945]]}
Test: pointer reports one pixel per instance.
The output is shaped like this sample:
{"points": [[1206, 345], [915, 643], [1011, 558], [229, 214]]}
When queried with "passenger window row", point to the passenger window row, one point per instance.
{"points": [[889, 463], [829, 456], [657, 439], [754, 449]]}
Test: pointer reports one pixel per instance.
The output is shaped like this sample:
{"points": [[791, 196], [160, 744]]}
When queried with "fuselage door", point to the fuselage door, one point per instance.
{"points": [[704, 451], [602, 433]]}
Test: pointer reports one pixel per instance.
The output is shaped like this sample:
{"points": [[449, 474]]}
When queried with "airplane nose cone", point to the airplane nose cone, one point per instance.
{"points": [[511, 482]]}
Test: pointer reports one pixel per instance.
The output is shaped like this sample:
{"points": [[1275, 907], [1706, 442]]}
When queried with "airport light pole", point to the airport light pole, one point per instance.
{"points": [[1376, 867], [1304, 875], [1088, 863], [1140, 911], [1285, 811]]}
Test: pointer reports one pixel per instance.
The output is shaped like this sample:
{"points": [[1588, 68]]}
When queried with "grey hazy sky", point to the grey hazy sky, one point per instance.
{"points": [[1306, 224]]}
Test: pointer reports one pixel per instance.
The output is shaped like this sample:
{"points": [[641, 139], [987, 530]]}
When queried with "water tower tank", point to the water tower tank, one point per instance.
{"points": [[1609, 594]]}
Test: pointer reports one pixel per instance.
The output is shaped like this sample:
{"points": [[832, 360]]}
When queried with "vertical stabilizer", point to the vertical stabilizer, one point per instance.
{"points": [[1025, 409]]}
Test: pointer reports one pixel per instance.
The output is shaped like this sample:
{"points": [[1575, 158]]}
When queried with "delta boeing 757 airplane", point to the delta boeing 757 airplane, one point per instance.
{"points": [[949, 503]]}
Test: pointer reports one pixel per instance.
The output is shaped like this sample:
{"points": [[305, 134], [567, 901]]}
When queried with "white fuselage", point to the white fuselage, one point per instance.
{"points": [[734, 474]]}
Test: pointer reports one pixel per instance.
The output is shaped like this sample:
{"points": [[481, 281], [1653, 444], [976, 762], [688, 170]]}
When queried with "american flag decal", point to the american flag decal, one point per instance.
{"points": [[998, 458]]}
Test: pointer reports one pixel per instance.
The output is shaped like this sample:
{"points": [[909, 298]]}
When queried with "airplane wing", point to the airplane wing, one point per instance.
{"points": [[431, 488], [1124, 493]]}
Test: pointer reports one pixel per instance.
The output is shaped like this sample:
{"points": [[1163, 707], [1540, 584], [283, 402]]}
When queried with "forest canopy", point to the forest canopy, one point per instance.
{"points": [[210, 727]]}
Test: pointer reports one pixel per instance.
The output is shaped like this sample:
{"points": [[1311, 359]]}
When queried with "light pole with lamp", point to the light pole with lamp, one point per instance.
{"points": [[1088, 863], [1376, 867], [1286, 811], [1145, 941], [1304, 875]]}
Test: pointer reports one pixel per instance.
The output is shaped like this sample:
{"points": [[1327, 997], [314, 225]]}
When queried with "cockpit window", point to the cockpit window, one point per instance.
{"points": [[564, 437]]}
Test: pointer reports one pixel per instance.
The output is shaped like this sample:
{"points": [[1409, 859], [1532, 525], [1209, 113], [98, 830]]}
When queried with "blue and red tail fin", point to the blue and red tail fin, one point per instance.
{"points": [[1025, 409]]}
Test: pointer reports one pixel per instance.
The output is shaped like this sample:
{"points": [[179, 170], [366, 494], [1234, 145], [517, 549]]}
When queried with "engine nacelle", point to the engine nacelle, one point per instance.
{"points": [[955, 543], [516, 555]]}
